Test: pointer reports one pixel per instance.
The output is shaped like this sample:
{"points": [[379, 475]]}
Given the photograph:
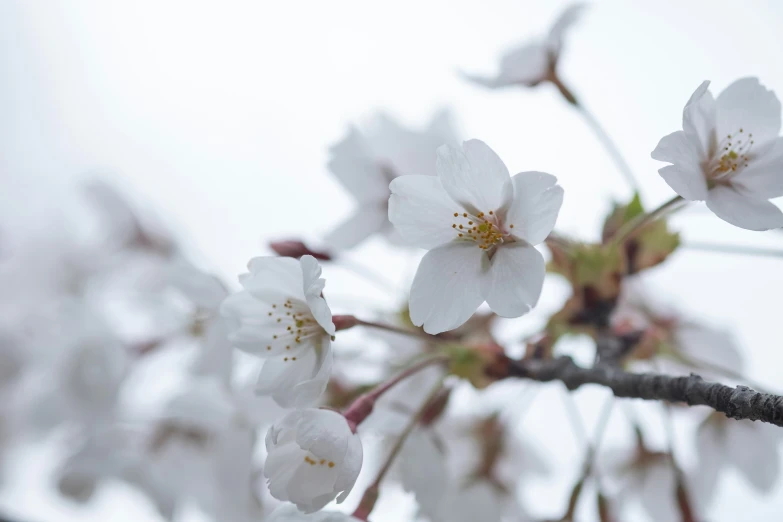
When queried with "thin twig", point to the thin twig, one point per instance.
{"points": [[631, 228], [733, 249]]}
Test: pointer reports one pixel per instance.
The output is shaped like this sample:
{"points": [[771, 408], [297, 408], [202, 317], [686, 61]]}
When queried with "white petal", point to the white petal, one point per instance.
{"points": [[251, 329], [474, 176], [568, 18], [517, 276], [743, 211], [423, 471], [748, 105], [535, 206], [359, 172], [448, 286], [368, 219], [273, 278], [422, 211], [311, 482], [324, 433], [690, 184], [710, 448], [710, 345], [350, 468], [698, 122], [526, 65], [763, 177], [308, 391], [679, 149], [312, 286], [752, 448]]}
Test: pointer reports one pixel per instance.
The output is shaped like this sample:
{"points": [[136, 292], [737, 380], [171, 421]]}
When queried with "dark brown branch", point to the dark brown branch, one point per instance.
{"points": [[737, 403]]}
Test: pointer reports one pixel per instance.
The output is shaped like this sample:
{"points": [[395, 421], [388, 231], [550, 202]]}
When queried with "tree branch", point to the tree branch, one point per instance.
{"points": [[737, 403]]}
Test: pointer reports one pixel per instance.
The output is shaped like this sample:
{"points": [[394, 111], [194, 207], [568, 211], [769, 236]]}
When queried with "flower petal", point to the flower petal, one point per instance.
{"points": [[744, 211], [324, 433], [567, 18], [748, 105], [368, 219], [761, 464], [422, 211], [272, 278], [307, 392], [763, 177], [349, 471], [679, 149], [517, 277], [355, 167], [526, 65], [448, 286], [698, 122], [312, 286], [688, 183], [312, 487], [535, 206], [474, 176]]}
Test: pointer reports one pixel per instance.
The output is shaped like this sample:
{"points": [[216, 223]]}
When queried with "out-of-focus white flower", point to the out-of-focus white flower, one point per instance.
{"points": [[533, 62], [81, 381], [313, 457], [675, 344], [281, 316], [751, 448], [288, 513], [729, 154], [468, 465], [480, 226], [366, 162]]}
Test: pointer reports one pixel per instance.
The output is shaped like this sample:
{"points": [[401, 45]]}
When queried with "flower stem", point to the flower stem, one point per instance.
{"points": [[734, 249], [600, 133], [404, 331], [371, 493], [589, 462], [631, 228], [361, 408]]}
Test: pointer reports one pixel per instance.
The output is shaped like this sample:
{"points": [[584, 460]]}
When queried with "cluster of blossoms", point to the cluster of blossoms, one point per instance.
{"points": [[263, 358]]}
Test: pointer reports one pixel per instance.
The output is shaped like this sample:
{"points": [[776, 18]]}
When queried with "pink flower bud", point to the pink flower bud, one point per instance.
{"points": [[297, 249]]}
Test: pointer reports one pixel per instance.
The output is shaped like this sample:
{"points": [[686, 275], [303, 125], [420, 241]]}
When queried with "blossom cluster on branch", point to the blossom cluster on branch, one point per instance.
{"points": [[126, 305]]}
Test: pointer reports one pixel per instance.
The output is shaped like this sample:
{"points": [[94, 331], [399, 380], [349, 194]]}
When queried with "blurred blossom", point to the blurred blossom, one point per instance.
{"points": [[534, 62], [366, 162]]}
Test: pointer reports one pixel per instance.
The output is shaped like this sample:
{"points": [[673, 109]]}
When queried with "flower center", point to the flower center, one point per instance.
{"points": [[315, 461], [732, 155], [486, 229], [295, 323]]}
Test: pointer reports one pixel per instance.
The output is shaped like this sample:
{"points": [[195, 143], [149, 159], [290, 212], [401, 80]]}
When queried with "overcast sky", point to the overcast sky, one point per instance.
{"points": [[219, 115]]}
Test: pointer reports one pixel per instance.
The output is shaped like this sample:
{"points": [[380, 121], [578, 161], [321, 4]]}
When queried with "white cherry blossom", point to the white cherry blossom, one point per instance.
{"points": [[281, 316], [729, 154], [533, 62], [480, 226], [313, 458], [365, 163], [750, 448]]}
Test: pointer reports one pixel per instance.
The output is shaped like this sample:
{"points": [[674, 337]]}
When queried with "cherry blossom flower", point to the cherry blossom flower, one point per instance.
{"points": [[751, 448], [534, 62], [282, 317], [288, 513], [729, 154], [313, 458], [366, 162], [480, 226], [671, 342]]}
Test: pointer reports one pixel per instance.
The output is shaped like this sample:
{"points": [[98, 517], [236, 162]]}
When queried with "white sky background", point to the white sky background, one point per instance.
{"points": [[219, 114]]}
